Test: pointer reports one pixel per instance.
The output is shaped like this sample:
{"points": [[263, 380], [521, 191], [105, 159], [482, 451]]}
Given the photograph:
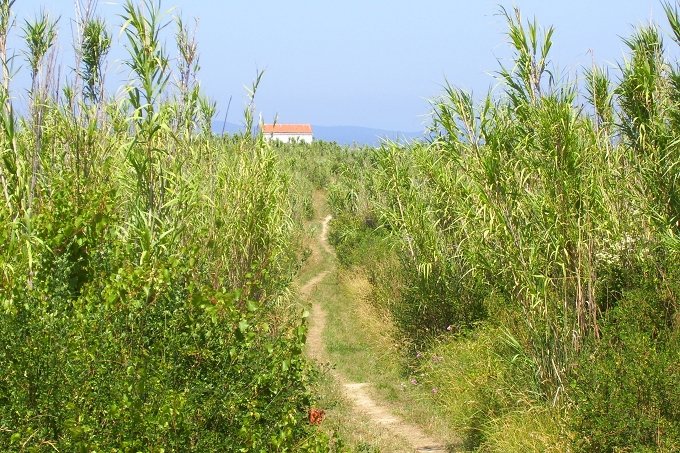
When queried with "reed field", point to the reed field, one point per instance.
{"points": [[534, 247], [527, 253]]}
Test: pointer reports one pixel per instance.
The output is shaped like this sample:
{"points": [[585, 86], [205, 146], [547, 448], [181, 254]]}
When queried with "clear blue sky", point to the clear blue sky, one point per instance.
{"points": [[366, 63]]}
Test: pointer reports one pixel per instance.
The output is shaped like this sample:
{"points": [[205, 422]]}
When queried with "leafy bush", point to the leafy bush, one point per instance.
{"points": [[626, 387], [187, 370]]}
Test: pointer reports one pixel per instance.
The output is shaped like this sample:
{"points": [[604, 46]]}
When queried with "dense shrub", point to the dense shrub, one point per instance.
{"points": [[626, 387], [186, 369], [104, 346]]}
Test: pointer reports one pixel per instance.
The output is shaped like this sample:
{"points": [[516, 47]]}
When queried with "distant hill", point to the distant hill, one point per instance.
{"points": [[350, 135], [343, 135]]}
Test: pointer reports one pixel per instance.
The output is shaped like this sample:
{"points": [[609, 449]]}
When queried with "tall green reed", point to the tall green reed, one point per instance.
{"points": [[648, 97], [149, 65], [188, 67], [517, 199], [40, 36]]}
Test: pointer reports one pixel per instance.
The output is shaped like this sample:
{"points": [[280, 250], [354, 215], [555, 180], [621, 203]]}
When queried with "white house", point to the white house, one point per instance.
{"points": [[287, 133]]}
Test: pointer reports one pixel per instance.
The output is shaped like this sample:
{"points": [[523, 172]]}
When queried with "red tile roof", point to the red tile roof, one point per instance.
{"points": [[287, 129]]}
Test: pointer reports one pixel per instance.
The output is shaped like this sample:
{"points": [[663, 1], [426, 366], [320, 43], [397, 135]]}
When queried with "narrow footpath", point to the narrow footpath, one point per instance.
{"points": [[412, 437]]}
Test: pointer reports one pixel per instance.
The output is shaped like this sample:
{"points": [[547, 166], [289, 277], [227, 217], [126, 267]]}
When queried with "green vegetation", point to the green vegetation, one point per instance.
{"points": [[145, 264], [533, 249], [518, 274]]}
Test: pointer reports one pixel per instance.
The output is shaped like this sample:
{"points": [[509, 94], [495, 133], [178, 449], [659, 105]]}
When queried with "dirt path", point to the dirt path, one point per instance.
{"points": [[410, 435], [315, 346]]}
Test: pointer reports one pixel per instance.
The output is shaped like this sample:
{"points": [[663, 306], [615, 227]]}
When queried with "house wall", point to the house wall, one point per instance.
{"points": [[287, 138]]}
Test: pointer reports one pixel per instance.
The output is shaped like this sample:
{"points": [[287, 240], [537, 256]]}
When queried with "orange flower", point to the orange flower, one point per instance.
{"points": [[316, 416]]}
